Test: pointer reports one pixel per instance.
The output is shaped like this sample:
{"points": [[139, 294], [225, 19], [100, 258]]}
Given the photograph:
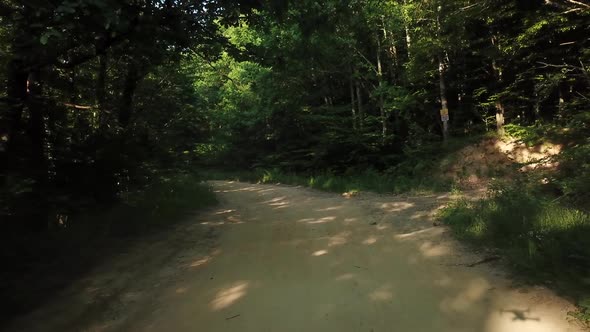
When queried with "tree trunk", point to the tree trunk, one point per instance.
{"points": [[352, 101], [381, 102], [500, 117], [441, 75], [101, 91], [499, 105], [37, 135], [359, 99], [16, 93], [408, 37], [126, 107]]}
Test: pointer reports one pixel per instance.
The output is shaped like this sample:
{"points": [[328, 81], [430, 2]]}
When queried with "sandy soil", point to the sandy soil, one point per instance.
{"points": [[282, 258]]}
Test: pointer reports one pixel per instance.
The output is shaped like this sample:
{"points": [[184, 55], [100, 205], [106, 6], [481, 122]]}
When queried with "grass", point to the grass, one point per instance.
{"points": [[366, 181], [43, 263], [541, 239]]}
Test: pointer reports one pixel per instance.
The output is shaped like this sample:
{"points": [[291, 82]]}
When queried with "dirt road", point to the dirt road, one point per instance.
{"points": [[281, 258]]}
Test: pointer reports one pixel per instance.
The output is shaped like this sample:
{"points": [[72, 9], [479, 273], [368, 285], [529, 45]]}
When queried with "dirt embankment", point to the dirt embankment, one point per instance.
{"points": [[475, 165], [282, 258]]}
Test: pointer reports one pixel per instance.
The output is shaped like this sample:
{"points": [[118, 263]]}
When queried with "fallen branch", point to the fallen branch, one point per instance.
{"points": [[479, 262]]}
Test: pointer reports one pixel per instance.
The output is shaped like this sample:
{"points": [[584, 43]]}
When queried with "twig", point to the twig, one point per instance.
{"points": [[232, 317], [481, 261]]}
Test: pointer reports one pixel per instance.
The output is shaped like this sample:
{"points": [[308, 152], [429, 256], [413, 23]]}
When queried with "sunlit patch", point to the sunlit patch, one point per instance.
{"points": [[274, 200], [200, 262], [428, 249], [338, 239], [213, 223], [181, 290], [397, 206], [370, 240], [320, 253], [344, 277], [224, 211], [382, 227], [322, 220], [474, 291], [234, 219], [420, 215], [332, 208], [383, 293], [229, 295], [433, 230]]}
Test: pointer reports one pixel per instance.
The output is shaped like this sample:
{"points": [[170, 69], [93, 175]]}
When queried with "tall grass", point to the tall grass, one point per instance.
{"points": [[549, 242]]}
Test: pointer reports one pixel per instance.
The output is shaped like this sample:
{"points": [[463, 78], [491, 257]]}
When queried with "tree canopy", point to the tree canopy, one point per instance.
{"points": [[101, 96]]}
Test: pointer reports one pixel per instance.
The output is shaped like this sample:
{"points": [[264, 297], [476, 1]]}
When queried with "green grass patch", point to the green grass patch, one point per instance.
{"points": [[542, 240], [366, 181]]}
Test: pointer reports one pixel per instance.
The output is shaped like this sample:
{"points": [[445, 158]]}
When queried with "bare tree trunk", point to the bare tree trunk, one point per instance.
{"points": [[381, 102], [101, 91], [38, 158], [443, 95], [352, 105], [11, 116], [359, 99], [441, 74], [126, 107], [408, 36], [499, 105], [500, 117]]}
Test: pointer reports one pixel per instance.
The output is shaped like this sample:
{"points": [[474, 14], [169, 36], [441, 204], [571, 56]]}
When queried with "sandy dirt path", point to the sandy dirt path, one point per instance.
{"points": [[281, 258]]}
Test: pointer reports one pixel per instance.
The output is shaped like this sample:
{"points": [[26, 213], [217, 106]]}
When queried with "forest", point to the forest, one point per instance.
{"points": [[112, 113]]}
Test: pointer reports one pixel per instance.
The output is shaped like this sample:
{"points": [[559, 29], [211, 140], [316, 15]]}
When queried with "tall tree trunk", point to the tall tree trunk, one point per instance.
{"points": [[500, 117], [381, 102], [126, 107], [408, 36], [16, 92], [352, 103], [36, 107], [441, 75], [359, 99], [101, 91], [498, 76], [443, 95]]}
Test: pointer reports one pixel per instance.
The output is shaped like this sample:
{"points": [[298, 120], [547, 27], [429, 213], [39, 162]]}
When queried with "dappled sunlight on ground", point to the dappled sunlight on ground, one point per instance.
{"points": [[229, 295], [396, 206], [339, 239], [383, 293], [292, 259], [320, 253]]}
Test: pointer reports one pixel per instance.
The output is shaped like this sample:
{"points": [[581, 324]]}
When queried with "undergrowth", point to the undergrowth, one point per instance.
{"points": [[366, 181], [47, 262], [541, 239]]}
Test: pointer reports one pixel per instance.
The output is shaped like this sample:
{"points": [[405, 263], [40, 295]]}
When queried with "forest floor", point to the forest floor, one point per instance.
{"points": [[285, 258]]}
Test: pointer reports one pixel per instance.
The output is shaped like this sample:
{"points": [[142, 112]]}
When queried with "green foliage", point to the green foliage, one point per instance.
{"points": [[367, 181], [168, 200], [538, 236]]}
